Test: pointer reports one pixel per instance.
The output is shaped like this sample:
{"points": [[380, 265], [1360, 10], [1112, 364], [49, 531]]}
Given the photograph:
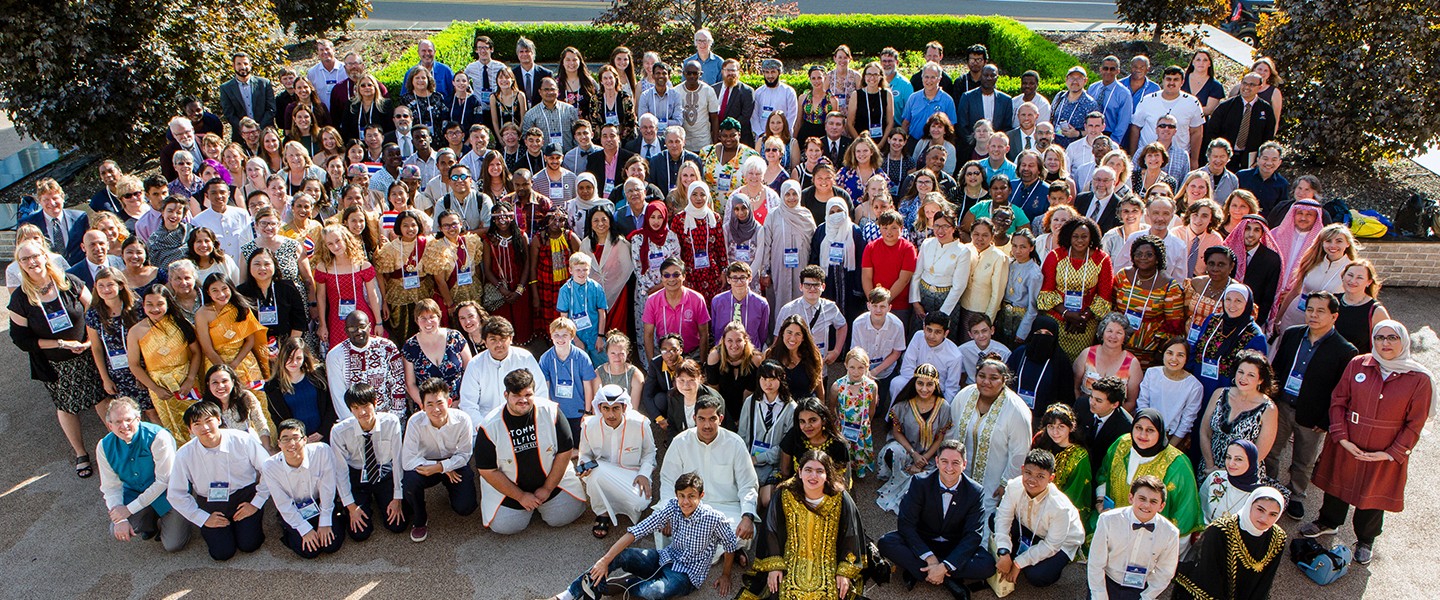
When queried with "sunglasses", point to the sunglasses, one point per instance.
{"points": [[132, 195], [459, 177], [1164, 126], [671, 275]]}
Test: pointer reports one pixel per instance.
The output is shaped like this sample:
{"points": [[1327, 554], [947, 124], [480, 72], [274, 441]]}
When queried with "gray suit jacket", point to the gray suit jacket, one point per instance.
{"points": [[262, 103]]}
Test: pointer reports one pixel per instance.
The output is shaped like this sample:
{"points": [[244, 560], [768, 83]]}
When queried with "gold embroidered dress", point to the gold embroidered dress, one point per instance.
{"points": [[811, 545], [167, 362], [1182, 500]]}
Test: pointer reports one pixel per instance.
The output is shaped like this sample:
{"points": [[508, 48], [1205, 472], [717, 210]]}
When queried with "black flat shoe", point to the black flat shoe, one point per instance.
{"points": [[957, 590]]}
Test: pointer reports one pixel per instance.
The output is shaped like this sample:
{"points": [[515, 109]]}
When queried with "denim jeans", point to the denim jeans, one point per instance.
{"points": [[657, 583]]}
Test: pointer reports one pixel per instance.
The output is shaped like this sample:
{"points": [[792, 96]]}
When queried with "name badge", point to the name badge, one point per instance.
{"points": [[1074, 301], [410, 280], [229, 334], [702, 260], [875, 362], [663, 123], [117, 358], [582, 321], [758, 447], [1027, 395], [851, 431], [557, 137], [308, 508], [722, 181], [346, 307], [484, 98], [219, 491], [269, 316], [609, 186], [1134, 318], [612, 118], [1210, 369], [792, 258], [557, 190], [564, 389], [837, 254], [59, 320], [1193, 335], [875, 131], [464, 277], [765, 112], [743, 253], [1292, 384], [1135, 576]]}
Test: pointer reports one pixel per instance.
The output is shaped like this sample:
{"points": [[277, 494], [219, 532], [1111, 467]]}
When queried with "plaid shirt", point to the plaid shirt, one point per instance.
{"points": [[692, 539]]}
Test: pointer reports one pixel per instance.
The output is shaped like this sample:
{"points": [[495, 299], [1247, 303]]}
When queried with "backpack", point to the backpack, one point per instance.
{"points": [[1368, 224], [1320, 565], [1335, 210]]}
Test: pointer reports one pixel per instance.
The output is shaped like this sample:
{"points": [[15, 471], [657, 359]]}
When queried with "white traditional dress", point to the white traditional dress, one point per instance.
{"points": [[621, 453], [995, 442]]}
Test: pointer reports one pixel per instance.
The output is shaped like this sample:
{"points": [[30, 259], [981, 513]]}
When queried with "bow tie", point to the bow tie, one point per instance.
{"points": [[1150, 526], [952, 491]]}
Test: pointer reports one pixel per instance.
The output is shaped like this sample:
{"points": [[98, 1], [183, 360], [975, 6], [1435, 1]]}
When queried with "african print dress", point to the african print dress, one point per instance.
{"points": [[1075, 286], [552, 269], [1155, 315]]}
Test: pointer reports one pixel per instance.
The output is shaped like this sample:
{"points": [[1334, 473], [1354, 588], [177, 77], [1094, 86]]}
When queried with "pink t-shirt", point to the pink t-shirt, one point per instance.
{"points": [[685, 319]]}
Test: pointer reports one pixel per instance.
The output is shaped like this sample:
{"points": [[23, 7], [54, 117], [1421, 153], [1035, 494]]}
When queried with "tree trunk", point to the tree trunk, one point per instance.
{"points": [[1156, 40]]}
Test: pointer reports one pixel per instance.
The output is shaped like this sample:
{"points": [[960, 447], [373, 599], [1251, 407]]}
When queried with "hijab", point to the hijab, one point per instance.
{"points": [[1158, 420], [1250, 479], [583, 207], [1259, 493], [736, 230], [695, 214], [838, 230], [797, 219], [1236, 242], [1404, 363], [1041, 347], [647, 236], [1229, 324]]}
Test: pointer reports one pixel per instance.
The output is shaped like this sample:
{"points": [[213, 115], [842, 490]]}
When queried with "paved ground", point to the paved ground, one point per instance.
{"points": [[57, 546]]}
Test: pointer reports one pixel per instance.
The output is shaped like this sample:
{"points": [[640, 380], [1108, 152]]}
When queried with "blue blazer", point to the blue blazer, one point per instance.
{"points": [[81, 270], [77, 223], [971, 109], [922, 521]]}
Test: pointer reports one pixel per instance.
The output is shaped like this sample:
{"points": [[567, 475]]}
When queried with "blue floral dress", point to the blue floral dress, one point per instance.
{"points": [[451, 367], [112, 334]]}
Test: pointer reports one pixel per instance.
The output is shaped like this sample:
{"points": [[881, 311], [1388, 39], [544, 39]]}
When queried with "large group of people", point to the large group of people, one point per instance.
{"points": [[1086, 326]]}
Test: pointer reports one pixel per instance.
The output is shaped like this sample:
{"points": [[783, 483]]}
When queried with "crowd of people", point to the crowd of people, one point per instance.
{"points": [[1083, 326]]}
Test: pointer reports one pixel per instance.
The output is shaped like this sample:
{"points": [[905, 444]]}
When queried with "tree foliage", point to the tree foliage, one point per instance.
{"points": [[1165, 16], [314, 18], [105, 75], [1362, 79], [742, 28]]}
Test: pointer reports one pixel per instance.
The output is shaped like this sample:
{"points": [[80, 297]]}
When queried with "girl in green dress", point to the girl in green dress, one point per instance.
{"points": [[1061, 437]]}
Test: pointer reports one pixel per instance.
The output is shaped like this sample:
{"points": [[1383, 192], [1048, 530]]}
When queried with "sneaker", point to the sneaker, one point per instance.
{"points": [[1364, 552], [419, 533], [1314, 529], [1295, 510]]}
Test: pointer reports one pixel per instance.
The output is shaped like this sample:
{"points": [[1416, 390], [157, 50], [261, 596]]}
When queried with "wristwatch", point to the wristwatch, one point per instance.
{"points": [[1002, 552]]}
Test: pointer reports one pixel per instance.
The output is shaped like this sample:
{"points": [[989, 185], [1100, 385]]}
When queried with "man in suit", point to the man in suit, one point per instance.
{"points": [[528, 75], [984, 102], [1247, 120], [246, 96], [608, 165], [1263, 268], [649, 143], [1101, 203], [1022, 137], [182, 137], [835, 140], [1309, 361], [737, 99], [63, 229], [401, 135], [1103, 418], [97, 249], [939, 532], [665, 167]]}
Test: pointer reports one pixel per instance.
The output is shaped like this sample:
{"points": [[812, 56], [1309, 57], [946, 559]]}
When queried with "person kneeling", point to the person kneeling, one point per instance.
{"points": [[1135, 548], [617, 458], [367, 448], [216, 483], [523, 455], [679, 568], [134, 466], [1037, 529], [302, 479], [437, 451]]}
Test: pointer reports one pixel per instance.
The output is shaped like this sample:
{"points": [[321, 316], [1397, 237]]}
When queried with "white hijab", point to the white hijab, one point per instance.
{"points": [[838, 230], [1260, 493], [703, 212], [1404, 363]]}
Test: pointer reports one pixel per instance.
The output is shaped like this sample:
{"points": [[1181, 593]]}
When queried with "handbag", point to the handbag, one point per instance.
{"points": [[492, 299], [1319, 564]]}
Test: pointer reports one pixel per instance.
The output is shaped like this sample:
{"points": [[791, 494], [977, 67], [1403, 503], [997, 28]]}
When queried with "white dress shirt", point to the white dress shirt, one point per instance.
{"points": [[294, 488], [1050, 516], [731, 485], [1176, 255], [879, 342], [450, 444], [162, 450], [347, 441], [945, 358], [941, 267], [782, 97], [232, 230], [1117, 544], [236, 460], [482, 389]]}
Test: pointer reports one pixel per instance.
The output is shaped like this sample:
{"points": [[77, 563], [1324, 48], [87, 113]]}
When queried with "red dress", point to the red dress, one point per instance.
{"points": [[508, 266], [1376, 414], [708, 279], [344, 288], [552, 268]]}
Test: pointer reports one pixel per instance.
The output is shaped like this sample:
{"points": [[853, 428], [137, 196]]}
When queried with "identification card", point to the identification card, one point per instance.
{"points": [[1210, 369], [837, 254], [1074, 301], [582, 321], [1292, 385], [875, 131], [269, 316], [484, 99], [1135, 576], [1027, 395], [564, 389], [851, 431], [656, 257], [117, 358], [59, 320], [346, 307], [464, 277], [1134, 318], [792, 258], [612, 118], [662, 124], [219, 491], [765, 112], [722, 181], [410, 280], [609, 186], [743, 253], [308, 508], [557, 137], [1193, 336], [557, 190], [758, 447], [702, 260], [875, 361]]}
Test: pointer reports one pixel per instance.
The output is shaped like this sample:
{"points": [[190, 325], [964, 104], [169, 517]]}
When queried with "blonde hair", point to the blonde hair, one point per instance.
{"points": [[324, 258], [1181, 200], [33, 291], [858, 353], [1315, 252], [295, 146], [747, 354], [47, 185], [563, 324], [580, 258], [27, 232]]}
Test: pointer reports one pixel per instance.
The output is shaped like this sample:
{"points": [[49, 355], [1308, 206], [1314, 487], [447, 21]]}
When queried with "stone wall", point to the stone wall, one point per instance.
{"points": [[1405, 264]]}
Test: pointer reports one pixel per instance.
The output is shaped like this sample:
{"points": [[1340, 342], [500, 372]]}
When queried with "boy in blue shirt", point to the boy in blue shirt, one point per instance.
{"points": [[583, 301], [570, 374]]}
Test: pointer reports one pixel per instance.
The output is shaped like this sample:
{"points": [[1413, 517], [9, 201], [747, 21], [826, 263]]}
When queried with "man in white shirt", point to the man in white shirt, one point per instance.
{"points": [[1029, 93], [931, 345], [232, 226], [367, 448], [820, 315], [216, 485], [1037, 529], [700, 109], [362, 358], [1079, 152], [302, 479], [325, 74], [135, 460], [663, 101], [437, 448], [523, 454], [882, 335], [482, 388], [1159, 213], [774, 95], [484, 71], [617, 458], [722, 459], [424, 156], [1135, 549], [1189, 115]]}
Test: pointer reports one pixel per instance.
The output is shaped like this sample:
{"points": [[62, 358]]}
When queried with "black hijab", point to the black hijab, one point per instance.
{"points": [[1158, 421]]}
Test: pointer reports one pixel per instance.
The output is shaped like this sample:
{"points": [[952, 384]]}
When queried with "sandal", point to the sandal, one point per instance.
{"points": [[83, 468], [601, 528]]}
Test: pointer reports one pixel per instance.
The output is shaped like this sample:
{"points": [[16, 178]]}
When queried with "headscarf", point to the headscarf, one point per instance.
{"points": [[737, 231], [1041, 347], [1250, 479], [1229, 324], [797, 219], [838, 230], [1286, 235], [645, 236], [1236, 242], [582, 206], [1158, 420], [613, 394], [220, 170], [1259, 493], [703, 212], [1405, 363]]}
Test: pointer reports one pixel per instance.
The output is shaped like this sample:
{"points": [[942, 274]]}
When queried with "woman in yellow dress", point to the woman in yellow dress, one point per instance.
{"points": [[456, 261], [404, 277], [167, 345], [230, 333], [812, 547]]}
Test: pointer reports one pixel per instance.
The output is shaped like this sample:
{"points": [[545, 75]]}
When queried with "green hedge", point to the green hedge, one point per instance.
{"points": [[1014, 47]]}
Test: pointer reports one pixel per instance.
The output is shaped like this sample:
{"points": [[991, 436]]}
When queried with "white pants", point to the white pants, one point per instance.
{"points": [[612, 491]]}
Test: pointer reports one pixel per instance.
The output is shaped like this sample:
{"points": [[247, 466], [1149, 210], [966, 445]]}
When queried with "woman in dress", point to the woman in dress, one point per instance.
{"points": [[815, 430], [649, 247], [298, 390], [1060, 436], [731, 370], [784, 247], [434, 351], [815, 103], [1240, 412], [509, 268], [1146, 450], [993, 423], [1153, 160], [861, 162], [291, 261], [1022, 284], [1376, 416], [550, 270], [469, 318], [230, 334], [459, 259], [839, 248], [757, 196], [1240, 554], [239, 409], [1360, 311], [576, 86], [895, 161], [1109, 358], [507, 104], [1203, 292], [426, 104], [114, 310], [920, 419], [615, 104], [1042, 371], [1172, 390], [1152, 303], [138, 273], [617, 370], [813, 543], [1224, 490], [204, 251], [405, 276], [855, 395], [797, 352], [344, 283], [1222, 336], [1319, 268], [47, 322], [165, 357], [743, 232], [702, 242], [1077, 285], [614, 265], [871, 107]]}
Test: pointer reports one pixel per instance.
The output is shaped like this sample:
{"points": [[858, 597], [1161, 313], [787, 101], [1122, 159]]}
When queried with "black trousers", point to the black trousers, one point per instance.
{"points": [[244, 535], [1045, 572], [372, 498], [976, 566], [463, 499], [293, 540], [1367, 521], [1119, 592]]}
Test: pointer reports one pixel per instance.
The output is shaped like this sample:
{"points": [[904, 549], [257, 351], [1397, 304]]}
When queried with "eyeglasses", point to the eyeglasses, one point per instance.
{"points": [[1164, 126], [739, 277], [669, 351], [1392, 338], [811, 284], [1108, 68], [132, 195], [672, 275]]}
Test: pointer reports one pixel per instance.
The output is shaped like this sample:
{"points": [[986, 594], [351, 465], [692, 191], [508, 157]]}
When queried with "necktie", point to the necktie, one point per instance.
{"points": [[57, 236], [834, 148], [725, 101], [1104, 94], [529, 88], [1244, 135], [769, 415], [372, 466], [485, 78], [1094, 212], [1027, 142], [649, 150], [1194, 255], [1150, 526], [735, 316]]}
